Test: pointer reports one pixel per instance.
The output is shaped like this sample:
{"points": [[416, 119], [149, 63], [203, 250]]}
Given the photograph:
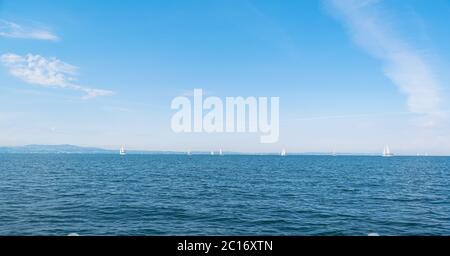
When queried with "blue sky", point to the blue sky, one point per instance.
{"points": [[351, 75]]}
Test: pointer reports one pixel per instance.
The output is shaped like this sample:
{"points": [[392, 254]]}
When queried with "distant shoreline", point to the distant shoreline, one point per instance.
{"points": [[225, 154], [72, 149]]}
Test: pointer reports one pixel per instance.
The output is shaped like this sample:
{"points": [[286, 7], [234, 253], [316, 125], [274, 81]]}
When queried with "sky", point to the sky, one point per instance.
{"points": [[352, 76]]}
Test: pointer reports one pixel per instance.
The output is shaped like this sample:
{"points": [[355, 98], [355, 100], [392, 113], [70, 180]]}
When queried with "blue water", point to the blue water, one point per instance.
{"points": [[58, 194]]}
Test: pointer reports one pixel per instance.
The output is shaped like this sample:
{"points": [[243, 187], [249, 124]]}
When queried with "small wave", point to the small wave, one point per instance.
{"points": [[73, 234], [373, 234]]}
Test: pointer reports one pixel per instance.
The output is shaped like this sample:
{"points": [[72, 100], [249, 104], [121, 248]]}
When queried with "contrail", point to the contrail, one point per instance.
{"points": [[352, 116]]}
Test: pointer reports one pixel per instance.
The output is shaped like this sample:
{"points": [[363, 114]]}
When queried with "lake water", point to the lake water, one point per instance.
{"points": [[58, 194]]}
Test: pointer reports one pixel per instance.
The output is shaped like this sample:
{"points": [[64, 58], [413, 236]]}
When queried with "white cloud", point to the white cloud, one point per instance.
{"points": [[92, 93], [49, 72], [14, 30], [403, 65]]}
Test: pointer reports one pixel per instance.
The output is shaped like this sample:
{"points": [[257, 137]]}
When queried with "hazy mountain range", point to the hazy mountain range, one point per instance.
{"points": [[72, 149], [53, 149]]}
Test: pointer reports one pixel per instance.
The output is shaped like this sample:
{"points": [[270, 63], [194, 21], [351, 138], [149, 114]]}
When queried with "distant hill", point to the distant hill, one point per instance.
{"points": [[63, 149], [72, 149]]}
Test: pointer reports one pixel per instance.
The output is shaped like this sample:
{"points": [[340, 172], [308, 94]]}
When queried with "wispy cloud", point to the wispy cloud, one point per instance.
{"points": [[354, 116], [49, 72], [14, 30], [405, 66]]}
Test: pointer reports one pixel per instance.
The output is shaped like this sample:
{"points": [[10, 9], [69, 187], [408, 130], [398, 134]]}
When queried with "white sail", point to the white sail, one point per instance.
{"points": [[387, 152], [122, 151], [283, 152], [220, 152]]}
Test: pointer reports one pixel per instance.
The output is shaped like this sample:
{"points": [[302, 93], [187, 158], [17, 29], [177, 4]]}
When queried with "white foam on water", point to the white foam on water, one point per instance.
{"points": [[73, 234], [373, 234]]}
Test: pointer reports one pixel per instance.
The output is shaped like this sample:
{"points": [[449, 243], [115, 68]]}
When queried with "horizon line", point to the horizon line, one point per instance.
{"points": [[205, 152]]}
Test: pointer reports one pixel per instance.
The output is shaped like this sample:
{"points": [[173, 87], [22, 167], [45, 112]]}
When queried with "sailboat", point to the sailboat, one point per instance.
{"points": [[189, 153], [283, 152], [212, 153], [387, 152], [220, 152], [122, 151]]}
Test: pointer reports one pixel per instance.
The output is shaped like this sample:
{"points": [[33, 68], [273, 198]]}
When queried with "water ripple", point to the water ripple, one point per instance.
{"points": [[229, 195]]}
